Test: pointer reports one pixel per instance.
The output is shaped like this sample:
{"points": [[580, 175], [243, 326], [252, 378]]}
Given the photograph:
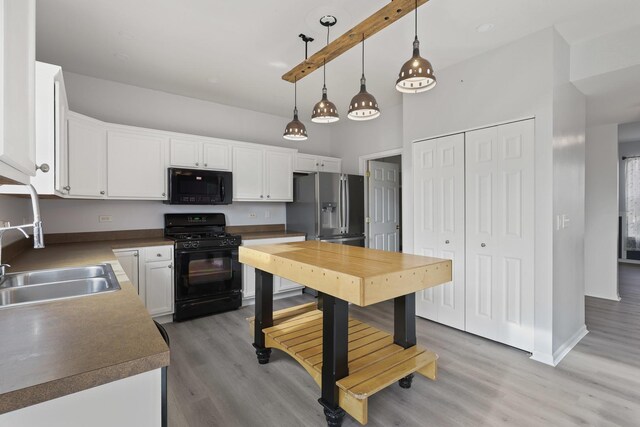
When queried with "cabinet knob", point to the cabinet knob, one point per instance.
{"points": [[197, 164], [170, 266], [102, 192], [164, 194], [205, 165], [135, 255], [446, 242], [159, 255], [268, 197], [322, 165], [483, 245], [261, 196], [66, 188], [317, 164]]}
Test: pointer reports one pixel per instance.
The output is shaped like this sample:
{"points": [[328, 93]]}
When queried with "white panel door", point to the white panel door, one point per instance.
{"points": [[439, 227], [87, 152], [185, 152], [136, 166], [384, 206], [499, 175], [216, 155], [279, 176], [248, 173]]}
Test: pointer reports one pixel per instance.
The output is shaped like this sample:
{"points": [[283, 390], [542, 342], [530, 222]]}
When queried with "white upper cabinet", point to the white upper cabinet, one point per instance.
{"points": [[248, 173], [185, 153], [313, 163], [136, 165], [278, 176], [17, 93], [87, 157], [201, 153], [262, 174], [51, 133]]}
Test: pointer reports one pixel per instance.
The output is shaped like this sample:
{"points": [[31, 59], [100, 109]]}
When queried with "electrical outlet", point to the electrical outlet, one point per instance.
{"points": [[253, 215], [105, 218], [4, 223]]}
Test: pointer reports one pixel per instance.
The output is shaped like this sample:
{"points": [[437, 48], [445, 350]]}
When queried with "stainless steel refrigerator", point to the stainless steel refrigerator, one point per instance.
{"points": [[328, 207]]}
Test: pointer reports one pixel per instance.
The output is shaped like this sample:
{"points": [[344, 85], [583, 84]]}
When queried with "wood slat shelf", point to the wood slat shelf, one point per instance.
{"points": [[375, 362]]}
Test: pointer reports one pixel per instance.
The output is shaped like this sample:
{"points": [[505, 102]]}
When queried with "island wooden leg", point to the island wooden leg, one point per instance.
{"points": [[335, 321], [404, 327], [264, 314]]}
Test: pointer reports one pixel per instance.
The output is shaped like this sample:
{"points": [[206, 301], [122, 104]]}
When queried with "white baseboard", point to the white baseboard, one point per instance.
{"points": [[252, 300], [611, 298], [562, 351]]}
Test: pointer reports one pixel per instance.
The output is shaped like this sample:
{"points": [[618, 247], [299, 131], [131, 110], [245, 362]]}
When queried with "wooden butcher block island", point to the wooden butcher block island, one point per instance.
{"points": [[349, 359]]}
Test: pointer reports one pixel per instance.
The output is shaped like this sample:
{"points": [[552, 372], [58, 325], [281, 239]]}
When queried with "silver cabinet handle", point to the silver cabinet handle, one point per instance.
{"points": [[102, 192], [483, 245], [446, 242], [43, 167], [66, 188]]}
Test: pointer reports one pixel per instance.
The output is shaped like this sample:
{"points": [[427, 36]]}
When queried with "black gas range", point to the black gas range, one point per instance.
{"points": [[208, 276]]}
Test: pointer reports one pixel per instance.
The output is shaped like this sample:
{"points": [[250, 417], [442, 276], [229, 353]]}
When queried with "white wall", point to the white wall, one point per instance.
{"points": [[15, 210], [601, 213], [350, 139], [569, 116], [131, 105], [68, 216]]}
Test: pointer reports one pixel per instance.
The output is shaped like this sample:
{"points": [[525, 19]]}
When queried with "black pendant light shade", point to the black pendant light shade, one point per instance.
{"points": [[295, 130], [416, 75], [325, 111], [363, 106]]}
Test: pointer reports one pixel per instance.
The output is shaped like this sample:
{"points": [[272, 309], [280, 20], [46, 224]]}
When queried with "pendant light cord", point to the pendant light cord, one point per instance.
{"points": [[324, 62], [416, 18], [362, 54]]}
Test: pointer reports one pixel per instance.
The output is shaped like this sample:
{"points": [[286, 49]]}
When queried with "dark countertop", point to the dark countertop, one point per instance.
{"points": [[52, 349]]}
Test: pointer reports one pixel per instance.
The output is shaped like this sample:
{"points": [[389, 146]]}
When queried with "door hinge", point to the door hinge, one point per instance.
{"points": [[367, 220], [367, 174]]}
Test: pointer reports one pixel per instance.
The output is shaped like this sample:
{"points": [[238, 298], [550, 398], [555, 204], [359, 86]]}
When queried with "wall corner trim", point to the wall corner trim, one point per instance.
{"points": [[563, 350]]}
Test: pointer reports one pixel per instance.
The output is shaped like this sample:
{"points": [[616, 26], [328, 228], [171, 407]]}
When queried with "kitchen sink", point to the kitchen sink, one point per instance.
{"points": [[47, 285]]}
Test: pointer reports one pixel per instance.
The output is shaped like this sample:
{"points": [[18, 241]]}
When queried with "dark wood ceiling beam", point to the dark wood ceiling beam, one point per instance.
{"points": [[384, 17]]}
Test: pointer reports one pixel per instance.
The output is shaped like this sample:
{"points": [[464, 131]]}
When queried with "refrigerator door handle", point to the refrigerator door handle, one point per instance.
{"points": [[347, 202], [340, 220]]}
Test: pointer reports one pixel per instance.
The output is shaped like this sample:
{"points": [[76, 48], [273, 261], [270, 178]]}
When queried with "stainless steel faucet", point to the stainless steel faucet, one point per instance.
{"points": [[38, 239]]}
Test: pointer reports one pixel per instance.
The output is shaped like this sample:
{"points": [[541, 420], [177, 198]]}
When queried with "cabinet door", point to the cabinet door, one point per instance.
{"points": [[17, 96], [248, 173], [279, 176], [248, 281], [328, 164], [216, 155], [159, 287], [185, 153], [87, 145], [439, 224], [129, 262], [285, 285], [306, 163], [499, 298], [136, 165], [61, 163]]}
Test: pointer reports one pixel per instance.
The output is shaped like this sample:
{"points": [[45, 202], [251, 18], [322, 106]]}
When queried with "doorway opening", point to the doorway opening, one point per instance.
{"points": [[383, 199]]}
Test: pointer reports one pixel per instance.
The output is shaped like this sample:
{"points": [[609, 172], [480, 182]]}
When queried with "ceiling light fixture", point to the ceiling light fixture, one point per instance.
{"points": [[325, 111], [363, 106], [295, 130], [416, 75]]}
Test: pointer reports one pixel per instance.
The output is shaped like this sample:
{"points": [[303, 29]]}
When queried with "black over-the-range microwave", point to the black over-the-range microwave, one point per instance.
{"points": [[199, 187]]}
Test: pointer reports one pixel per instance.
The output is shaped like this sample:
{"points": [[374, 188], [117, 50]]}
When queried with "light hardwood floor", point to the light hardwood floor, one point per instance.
{"points": [[215, 380]]}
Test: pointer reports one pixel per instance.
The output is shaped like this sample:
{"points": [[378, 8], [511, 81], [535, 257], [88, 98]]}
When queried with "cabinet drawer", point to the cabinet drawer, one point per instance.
{"points": [[158, 253]]}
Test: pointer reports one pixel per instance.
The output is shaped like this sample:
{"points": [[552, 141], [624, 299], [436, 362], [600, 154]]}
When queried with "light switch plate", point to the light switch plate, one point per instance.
{"points": [[253, 215]]}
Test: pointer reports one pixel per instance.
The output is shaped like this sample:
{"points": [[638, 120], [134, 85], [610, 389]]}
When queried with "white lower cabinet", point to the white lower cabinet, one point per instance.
{"points": [[281, 286], [474, 204], [150, 270]]}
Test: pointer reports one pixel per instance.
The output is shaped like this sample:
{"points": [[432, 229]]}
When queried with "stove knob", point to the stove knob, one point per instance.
{"points": [[196, 244]]}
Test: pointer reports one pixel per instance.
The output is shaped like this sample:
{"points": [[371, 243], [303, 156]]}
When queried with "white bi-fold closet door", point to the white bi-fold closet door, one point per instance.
{"points": [[439, 223], [490, 219]]}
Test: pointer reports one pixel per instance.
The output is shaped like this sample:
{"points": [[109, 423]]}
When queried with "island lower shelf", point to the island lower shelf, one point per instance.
{"points": [[375, 362]]}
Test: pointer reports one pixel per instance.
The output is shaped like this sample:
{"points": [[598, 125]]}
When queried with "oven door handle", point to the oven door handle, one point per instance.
{"points": [[222, 189]]}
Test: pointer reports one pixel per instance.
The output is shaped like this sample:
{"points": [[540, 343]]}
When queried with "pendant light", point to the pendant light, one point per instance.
{"points": [[416, 75], [295, 130], [325, 111], [363, 106]]}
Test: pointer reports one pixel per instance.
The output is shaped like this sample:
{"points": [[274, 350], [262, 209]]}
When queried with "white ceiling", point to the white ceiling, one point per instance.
{"points": [[234, 52]]}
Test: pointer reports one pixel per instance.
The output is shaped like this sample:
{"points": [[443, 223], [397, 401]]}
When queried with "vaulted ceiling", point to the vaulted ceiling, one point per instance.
{"points": [[234, 52]]}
